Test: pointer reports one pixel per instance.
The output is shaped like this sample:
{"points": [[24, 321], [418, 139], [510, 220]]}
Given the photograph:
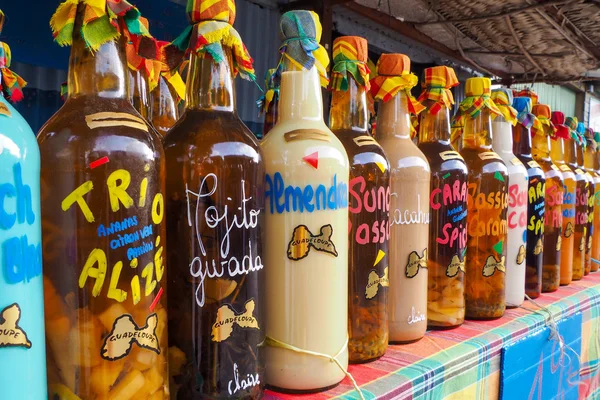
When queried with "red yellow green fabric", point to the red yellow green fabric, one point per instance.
{"points": [[503, 99], [11, 84], [436, 86], [350, 54], [393, 76]]}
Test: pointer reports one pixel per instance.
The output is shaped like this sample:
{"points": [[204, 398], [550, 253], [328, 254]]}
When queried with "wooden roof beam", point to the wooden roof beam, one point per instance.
{"points": [[523, 49]]}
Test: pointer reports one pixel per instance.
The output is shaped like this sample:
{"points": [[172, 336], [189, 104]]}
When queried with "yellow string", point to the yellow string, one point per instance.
{"points": [[269, 341]]}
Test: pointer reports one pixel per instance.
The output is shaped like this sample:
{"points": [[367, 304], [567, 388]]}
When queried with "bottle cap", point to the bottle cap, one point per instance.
{"points": [[524, 115], [436, 86], [350, 54], [543, 114], [527, 92], [558, 119], [503, 99], [478, 96]]}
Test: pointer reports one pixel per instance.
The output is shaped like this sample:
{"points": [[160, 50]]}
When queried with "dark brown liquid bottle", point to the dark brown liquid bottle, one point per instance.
{"points": [[581, 209], [536, 189], [590, 190], [448, 205], [164, 111], [368, 205], [487, 216], [555, 187], [103, 235], [215, 204], [139, 94]]}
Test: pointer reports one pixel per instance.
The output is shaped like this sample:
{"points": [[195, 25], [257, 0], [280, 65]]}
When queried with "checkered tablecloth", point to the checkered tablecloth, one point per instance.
{"points": [[464, 363]]}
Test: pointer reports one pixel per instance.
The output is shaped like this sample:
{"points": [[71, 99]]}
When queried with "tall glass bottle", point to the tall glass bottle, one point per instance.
{"points": [[487, 212], [536, 189], [589, 159], [368, 202], [516, 239], [306, 223], [448, 204], [215, 209], [22, 346], [269, 101], [581, 150], [581, 188], [103, 226], [409, 205], [558, 144], [541, 134], [165, 98]]}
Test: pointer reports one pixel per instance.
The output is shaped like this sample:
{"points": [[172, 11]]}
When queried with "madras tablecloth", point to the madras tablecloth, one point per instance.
{"points": [[464, 363]]}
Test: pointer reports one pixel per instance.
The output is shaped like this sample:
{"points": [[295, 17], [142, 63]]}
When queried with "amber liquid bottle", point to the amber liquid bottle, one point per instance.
{"points": [[581, 210], [164, 111], [536, 190], [487, 221], [103, 236], [553, 217], [368, 206], [591, 190], [215, 205], [139, 94], [448, 225], [596, 233]]}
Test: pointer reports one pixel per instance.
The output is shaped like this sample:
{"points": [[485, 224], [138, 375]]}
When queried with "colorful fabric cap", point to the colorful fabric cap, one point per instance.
{"points": [[527, 93], [100, 21], [523, 107], [503, 99], [350, 54], [542, 119], [301, 32], [581, 129], [393, 75], [558, 119], [11, 84], [571, 123], [457, 126], [173, 78], [478, 96], [589, 137], [143, 54], [272, 81], [597, 140], [436, 86], [211, 28]]}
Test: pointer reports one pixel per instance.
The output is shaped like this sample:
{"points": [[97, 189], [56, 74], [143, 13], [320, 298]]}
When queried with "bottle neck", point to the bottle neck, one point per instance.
{"points": [[210, 84], [164, 108], [541, 146], [271, 115], [393, 119], [557, 150], [521, 140], [102, 73], [502, 139], [570, 151], [301, 98], [434, 127], [477, 133], [349, 108], [579, 150], [589, 158], [139, 94]]}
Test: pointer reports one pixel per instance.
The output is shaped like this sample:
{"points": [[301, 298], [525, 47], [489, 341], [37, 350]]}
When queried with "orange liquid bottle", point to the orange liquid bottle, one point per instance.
{"points": [[368, 202], [448, 203], [103, 228], [487, 213]]}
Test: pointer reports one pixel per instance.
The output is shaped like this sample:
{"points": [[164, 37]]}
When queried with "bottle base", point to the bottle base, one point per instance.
{"points": [[405, 341], [443, 327], [365, 361], [294, 391]]}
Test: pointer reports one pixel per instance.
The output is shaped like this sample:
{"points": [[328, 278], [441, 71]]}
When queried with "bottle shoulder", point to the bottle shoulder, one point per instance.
{"points": [[17, 140]]}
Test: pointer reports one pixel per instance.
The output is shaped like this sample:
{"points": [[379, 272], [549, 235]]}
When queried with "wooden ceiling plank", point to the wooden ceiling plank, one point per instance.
{"points": [[523, 49]]}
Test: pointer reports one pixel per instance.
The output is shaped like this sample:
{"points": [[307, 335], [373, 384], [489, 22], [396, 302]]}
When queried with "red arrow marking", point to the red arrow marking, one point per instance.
{"points": [[312, 159]]}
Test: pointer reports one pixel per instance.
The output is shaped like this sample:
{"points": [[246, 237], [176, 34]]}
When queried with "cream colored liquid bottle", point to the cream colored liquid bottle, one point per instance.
{"points": [[306, 228]]}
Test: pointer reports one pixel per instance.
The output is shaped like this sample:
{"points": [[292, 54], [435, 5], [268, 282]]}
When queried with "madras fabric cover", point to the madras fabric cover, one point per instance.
{"points": [[543, 113], [558, 119], [350, 54], [590, 139], [100, 21], [211, 28], [272, 90], [300, 32], [11, 84], [527, 92], [524, 115], [478, 96], [457, 125], [436, 86], [571, 123], [393, 75], [503, 99], [464, 363], [143, 54], [581, 134]]}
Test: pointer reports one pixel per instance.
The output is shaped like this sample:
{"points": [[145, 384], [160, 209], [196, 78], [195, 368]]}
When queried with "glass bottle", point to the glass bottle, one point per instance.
{"points": [[215, 207], [558, 145], [536, 190], [409, 207], [596, 233], [554, 195], [103, 233], [368, 205], [269, 102], [22, 341], [487, 216], [582, 150], [139, 94], [580, 201], [164, 111], [448, 208], [516, 239], [306, 226]]}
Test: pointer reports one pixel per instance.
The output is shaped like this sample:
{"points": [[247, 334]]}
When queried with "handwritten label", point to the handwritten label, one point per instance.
{"points": [[415, 263], [416, 316], [451, 202], [489, 155], [407, 217], [375, 200], [365, 140], [536, 210], [237, 383], [227, 318], [482, 201], [581, 199], [125, 332], [564, 168], [515, 161], [517, 207], [375, 281], [11, 334], [223, 222], [450, 155], [112, 119], [303, 240], [306, 134], [281, 198], [554, 201], [492, 265], [533, 164]]}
